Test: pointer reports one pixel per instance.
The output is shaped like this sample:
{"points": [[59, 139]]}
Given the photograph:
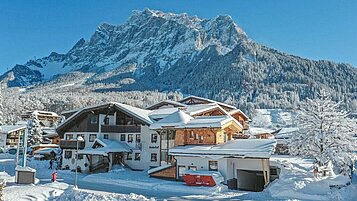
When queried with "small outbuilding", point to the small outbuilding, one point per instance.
{"points": [[244, 161]]}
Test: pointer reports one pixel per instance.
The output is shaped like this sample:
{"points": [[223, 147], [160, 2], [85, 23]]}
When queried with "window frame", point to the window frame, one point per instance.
{"points": [[122, 137], [66, 154], [154, 139], [138, 138], [137, 157], [209, 165], [155, 157], [130, 138], [68, 138], [129, 156], [90, 137]]}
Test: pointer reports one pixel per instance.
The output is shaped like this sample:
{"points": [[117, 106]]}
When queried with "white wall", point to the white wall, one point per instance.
{"points": [[147, 148], [226, 166]]}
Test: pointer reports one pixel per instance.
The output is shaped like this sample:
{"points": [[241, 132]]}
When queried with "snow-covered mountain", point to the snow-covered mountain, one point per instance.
{"points": [[150, 42], [213, 58]]}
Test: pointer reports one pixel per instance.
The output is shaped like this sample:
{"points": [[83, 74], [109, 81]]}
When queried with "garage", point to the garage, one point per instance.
{"points": [[250, 180]]}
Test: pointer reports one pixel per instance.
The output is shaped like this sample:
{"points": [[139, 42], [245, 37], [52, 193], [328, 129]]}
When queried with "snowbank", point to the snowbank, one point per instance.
{"points": [[297, 182]]}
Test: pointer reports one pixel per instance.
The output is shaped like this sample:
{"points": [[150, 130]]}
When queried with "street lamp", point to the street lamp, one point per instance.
{"points": [[79, 138]]}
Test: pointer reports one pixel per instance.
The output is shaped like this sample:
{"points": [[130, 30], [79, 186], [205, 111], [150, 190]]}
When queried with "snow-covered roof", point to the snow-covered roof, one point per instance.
{"points": [[240, 111], [24, 123], [46, 151], [242, 148], [169, 102], [162, 113], [201, 108], [45, 146], [109, 146], [208, 122], [208, 100], [11, 128], [25, 169], [189, 109], [156, 169], [139, 113], [175, 119], [286, 133], [255, 130]]}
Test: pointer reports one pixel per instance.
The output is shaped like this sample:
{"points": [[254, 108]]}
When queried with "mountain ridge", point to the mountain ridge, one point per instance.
{"points": [[213, 58]]}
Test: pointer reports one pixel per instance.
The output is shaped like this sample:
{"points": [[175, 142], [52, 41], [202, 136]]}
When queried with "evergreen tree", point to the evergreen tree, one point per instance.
{"points": [[1, 110], [325, 133], [35, 136]]}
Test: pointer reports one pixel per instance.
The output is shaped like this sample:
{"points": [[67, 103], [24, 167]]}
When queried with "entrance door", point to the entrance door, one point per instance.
{"points": [[117, 158]]}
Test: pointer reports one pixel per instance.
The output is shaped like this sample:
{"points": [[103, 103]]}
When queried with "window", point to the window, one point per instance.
{"points": [[137, 156], [106, 120], [194, 168], [130, 138], [69, 137], [181, 170], [164, 156], [81, 135], [153, 157], [200, 139], [196, 136], [172, 135], [105, 136], [67, 154], [138, 138], [80, 156], [129, 157], [213, 165], [92, 137], [192, 135], [94, 119], [122, 137], [153, 138]]}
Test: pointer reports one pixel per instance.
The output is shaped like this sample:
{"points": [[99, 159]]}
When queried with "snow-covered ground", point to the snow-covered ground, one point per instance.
{"points": [[296, 183]]}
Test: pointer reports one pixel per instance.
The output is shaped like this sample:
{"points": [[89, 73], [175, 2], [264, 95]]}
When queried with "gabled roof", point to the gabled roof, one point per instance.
{"points": [[203, 108], [209, 122], [207, 100], [166, 102], [11, 128], [239, 111], [242, 148], [141, 114], [188, 109], [173, 120]]}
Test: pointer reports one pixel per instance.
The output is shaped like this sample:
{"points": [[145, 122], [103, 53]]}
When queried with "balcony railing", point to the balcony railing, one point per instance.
{"points": [[71, 144], [121, 129]]}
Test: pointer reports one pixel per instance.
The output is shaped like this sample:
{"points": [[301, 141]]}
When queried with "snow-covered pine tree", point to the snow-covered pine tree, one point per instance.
{"points": [[35, 136], [325, 133], [1, 111]]}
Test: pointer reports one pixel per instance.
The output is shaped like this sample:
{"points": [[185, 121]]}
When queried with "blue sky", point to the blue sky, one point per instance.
{"points": [[317, 29]]}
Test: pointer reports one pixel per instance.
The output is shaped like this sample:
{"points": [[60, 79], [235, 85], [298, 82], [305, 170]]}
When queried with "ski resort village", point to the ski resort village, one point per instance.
{"points": [[193, 148], [133, 103]]}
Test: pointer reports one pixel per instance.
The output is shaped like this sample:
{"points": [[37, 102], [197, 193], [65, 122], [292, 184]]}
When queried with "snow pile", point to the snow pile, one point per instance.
{"points": [[72, 194], [297, 182]]}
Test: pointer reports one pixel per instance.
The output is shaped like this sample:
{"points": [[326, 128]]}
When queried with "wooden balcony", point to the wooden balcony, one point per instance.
{"points": [[121, 129], [71, 144]]}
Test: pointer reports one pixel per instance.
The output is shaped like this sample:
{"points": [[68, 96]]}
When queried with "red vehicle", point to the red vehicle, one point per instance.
{"points": [[202, 178]]}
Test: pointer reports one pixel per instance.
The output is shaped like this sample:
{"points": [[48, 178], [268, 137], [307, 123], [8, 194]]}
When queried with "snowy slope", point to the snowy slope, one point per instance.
{"points": [[213, 58]]}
